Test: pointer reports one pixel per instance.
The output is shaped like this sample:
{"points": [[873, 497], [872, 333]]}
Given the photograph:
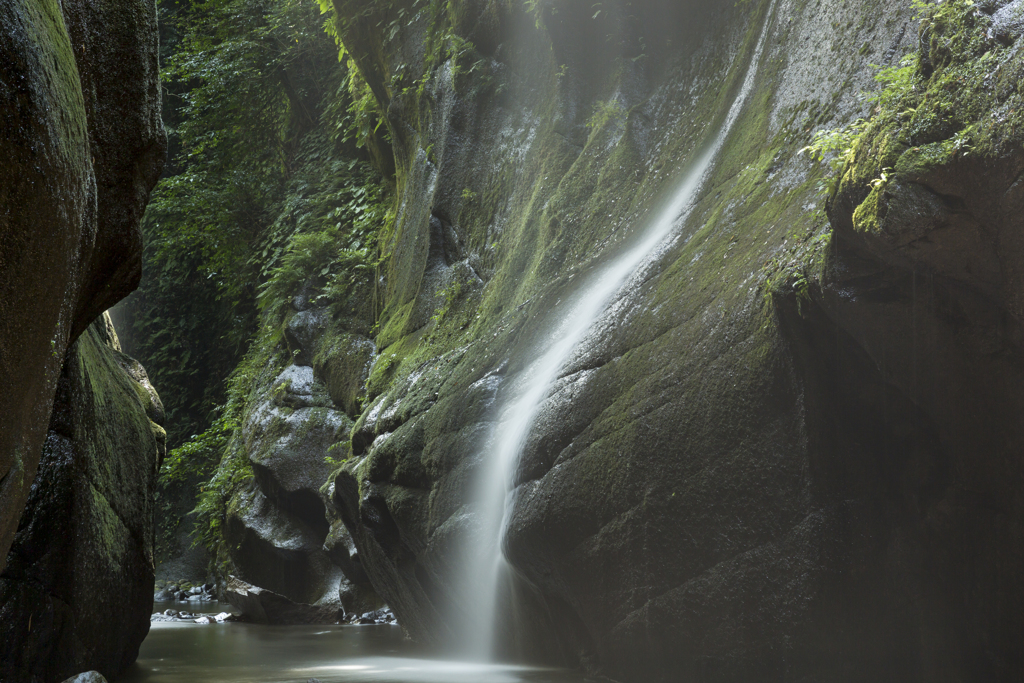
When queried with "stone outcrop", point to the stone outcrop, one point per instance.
{"points": [[278, 534], [77, 590], [81, 145], [747, 470], [267, 607]]}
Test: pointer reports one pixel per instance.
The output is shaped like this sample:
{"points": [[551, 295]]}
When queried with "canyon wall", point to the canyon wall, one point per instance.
{"points": [[789, 448], [77, 592], [82, 145]]}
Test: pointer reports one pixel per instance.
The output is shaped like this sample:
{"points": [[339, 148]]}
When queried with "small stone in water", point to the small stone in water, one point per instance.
{"points": [[170, 613], [223, 616], [204, 620]]}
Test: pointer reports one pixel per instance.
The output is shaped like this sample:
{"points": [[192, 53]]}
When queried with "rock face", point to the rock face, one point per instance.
{"points": [[77, 591], [267, 607], [81, 145], [278, 533], [750, 469]]}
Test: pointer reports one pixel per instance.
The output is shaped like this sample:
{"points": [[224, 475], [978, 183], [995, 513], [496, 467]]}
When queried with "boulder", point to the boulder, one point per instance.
{"points": [[276, 549], [87, 677], [355, 591], [267, 607], [78, 587], [277, 524], [81, 145]]}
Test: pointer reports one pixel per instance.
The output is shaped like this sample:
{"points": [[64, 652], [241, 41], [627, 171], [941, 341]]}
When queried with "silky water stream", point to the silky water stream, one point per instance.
{"points": [[235, 652], [486, 570]]}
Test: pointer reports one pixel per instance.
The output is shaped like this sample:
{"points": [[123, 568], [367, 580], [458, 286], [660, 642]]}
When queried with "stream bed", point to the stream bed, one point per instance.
{"points": [[235, 652]]}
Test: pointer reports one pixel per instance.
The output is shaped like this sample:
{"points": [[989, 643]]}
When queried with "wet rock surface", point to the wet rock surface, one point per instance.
{"points": [[87, 677], [81, 145], [279, 534], [724, 483], [183, 591], [379, 616], [181, 616], [78, 587], [264, 606]]}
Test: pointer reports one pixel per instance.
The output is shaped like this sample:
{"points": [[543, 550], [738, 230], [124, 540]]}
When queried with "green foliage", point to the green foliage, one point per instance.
{"points": [[937, 9], [336, 462], [197, 457], [268, 193], [944, 101], [249, 79], [899, 83], [535, 8], [211, 508], [333, 244], [223, 441], [834, 147], [930, 104]]}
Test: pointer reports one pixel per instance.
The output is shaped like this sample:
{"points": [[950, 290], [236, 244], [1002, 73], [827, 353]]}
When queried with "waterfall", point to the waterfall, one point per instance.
{"points": [[521, 404]]}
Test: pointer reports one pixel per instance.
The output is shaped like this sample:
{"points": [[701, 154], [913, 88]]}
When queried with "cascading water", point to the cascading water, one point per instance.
{"points": [[522, 402]]}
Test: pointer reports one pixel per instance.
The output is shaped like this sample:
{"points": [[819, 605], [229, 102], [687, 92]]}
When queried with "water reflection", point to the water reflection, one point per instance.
{"points": [[219, 653]]}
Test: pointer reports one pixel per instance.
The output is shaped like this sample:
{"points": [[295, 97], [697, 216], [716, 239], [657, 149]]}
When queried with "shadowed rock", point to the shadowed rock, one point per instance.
{"points": [[267, 607], [81, 145], [278, 532], [77, 591]]}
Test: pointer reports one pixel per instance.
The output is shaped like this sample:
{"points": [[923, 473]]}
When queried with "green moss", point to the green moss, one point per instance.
{"points": [[868, 215], [580, 205], [946, 102], [918, 161], [44, 22]]}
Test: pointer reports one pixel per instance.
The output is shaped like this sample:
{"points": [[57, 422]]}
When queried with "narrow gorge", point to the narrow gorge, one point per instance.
{"points": [[531, 340]]}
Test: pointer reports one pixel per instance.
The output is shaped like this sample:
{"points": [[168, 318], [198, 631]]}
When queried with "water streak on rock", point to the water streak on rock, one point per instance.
{"points": [[485, 563]]}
